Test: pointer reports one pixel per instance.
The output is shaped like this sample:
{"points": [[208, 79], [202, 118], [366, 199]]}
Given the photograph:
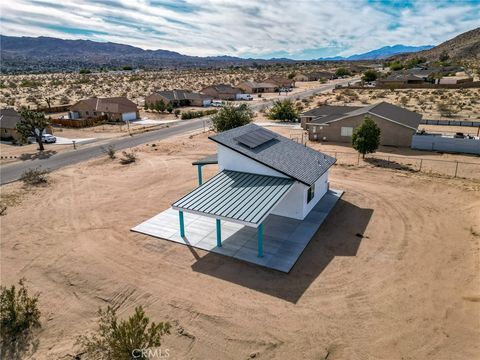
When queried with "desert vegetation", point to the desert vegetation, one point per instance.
{"points": [[66, 88], [432, 103]]}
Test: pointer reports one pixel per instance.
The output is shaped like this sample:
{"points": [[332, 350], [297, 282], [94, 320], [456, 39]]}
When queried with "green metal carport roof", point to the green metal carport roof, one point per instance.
{"points": [[236, 196]]}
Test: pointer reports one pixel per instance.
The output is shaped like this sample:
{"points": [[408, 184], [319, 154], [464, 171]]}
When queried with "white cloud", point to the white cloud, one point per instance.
{"points": [[261, 28]]}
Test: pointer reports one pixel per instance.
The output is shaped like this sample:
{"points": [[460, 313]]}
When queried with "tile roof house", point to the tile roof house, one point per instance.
{"points": [[252, 87], [114, 108], [313, 76], [337, 123], [9, 119], [222, 91], [402, 78], [179, 98], [280, 81]]}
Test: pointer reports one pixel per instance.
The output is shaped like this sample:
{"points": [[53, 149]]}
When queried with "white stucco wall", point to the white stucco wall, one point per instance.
{"points": [[232, 160], [294, 204]]}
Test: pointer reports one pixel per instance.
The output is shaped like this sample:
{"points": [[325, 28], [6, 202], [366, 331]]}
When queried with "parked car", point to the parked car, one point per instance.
{"points": [[49, 139], [217, 103]]}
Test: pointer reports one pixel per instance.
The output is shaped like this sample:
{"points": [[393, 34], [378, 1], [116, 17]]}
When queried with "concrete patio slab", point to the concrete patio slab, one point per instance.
{"points": [[283, 243]]}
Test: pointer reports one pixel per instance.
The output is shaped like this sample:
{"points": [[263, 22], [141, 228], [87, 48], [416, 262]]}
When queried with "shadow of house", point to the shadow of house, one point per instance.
{"points": [[340, 235]]}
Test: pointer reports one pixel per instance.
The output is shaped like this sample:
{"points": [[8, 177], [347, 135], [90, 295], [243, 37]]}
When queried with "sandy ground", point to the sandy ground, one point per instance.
{"points": [[409, 289]]}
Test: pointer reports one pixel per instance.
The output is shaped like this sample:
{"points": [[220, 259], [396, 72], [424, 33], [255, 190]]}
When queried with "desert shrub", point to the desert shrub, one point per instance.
{"points": [[230, 117], [116, 339], [30, 83], [128, 157], [370, 75], [342, 72], [186, 115], [446, 109], [35, 177], [109, 150], [177, 112], [84, 71], [19, 316], [283, 110]]}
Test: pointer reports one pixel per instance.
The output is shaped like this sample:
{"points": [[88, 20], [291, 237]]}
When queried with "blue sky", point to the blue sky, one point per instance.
{"points": [[302, 29]]}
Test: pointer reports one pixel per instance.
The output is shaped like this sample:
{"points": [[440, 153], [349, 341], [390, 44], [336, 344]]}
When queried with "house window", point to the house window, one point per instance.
{"points": [[86, 112], [346, 131], [310, 193]]}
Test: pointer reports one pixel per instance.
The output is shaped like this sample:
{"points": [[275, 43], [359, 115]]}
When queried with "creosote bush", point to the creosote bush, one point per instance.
{"points": [[35, 177], [19, 316], [128, 157], [110, 151], [116, 339]]}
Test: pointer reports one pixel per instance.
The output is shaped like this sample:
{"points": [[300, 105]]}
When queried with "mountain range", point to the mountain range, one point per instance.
{"points": [[381, 53], [46, 54]]}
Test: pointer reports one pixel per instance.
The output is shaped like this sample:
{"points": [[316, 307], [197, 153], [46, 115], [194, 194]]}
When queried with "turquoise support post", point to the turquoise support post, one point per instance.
{"points": [[219, 234], [260, 240], [199, 168], [182, 224]]}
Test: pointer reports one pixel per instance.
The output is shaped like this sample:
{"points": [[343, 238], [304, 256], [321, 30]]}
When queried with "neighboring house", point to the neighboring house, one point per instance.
{"points": [[401, 79], [9, 119], [261, 173], [337, 123], [457, 79], [179, 98], [314, 76], [252, 87], [222, 91], [114, 108], [280, 81]]}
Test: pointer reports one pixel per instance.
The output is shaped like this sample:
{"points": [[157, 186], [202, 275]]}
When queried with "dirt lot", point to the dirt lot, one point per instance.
{"points": [[409, 289]]}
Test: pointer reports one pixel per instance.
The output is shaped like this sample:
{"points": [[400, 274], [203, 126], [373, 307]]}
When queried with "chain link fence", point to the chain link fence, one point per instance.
{"points": [[460, 169]]}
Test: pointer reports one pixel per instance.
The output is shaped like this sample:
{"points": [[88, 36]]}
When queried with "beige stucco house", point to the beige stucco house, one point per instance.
{"points": [[222, 91], [114, 108], [179, 98], [337, 123]]}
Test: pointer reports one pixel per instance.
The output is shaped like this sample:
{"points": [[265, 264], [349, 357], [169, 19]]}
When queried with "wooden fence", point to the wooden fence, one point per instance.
{"points": [[79, 123]]}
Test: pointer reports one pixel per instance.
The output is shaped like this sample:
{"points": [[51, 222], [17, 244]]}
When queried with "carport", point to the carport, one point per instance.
{"points": [[237, 197]]}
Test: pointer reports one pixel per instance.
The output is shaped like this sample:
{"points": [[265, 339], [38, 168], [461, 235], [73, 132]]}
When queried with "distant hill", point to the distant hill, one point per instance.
{"points": [[40, 54], [382, 53], [462, 47]]}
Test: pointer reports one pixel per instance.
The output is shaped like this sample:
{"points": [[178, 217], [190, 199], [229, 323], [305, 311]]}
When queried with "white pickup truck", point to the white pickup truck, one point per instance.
{"points": [[247, 97]]}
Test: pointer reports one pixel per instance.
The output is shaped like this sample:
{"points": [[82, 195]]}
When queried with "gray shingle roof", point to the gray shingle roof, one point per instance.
{"points": [[383, 109], [329, 110], [281, 154], [397, 114], [238, 196]]}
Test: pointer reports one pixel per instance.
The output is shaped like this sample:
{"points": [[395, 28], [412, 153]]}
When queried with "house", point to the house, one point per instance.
{"points": [[114, 108], [314, 76], [337, 123], [9, 119], [179, 98], [261, 173], [401, 79], [459, 78], [252, 87], [280, 81], [222, 91]]}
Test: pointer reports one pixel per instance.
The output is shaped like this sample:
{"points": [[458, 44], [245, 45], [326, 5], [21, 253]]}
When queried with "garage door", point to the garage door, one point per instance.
{"points": [[129, 116]]}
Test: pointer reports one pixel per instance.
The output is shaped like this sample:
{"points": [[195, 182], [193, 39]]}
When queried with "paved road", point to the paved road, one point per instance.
{"points": [[13, 172]]}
